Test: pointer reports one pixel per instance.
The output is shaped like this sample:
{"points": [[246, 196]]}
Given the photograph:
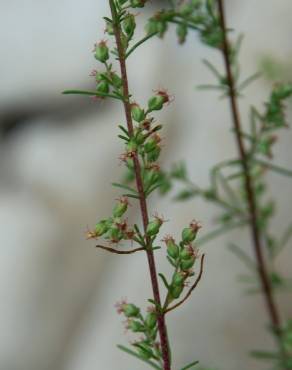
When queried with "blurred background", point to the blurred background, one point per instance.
{"points": [[58, 155]]}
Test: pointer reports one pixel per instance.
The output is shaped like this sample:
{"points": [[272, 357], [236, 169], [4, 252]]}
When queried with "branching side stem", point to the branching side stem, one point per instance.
{"points": [[142, 198], [116, 251], [191, 288]]}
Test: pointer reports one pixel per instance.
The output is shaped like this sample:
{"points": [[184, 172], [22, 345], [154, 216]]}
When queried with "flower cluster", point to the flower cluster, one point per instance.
{"points": [[146, 326], [182, 257], [114, 228]]}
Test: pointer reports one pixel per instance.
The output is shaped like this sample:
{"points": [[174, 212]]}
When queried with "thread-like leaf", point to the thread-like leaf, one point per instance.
{"points": [[189, 366], [135, 354], [125, 187]]}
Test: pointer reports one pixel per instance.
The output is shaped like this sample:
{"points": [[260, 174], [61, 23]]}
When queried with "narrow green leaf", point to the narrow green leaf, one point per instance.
{"points": [[135, 354], [90, 93], [264, 355], [229, 190], [125, 187], [210, 87], [242, 256], [213, 69], [125, 131], [219, 231], [189, 366], [238, 44], [107, 19], [186, 194], [170, 261], [132, 196], [163, 278], [123, 137], [284, 240], [154, 187], [158, 307], [129, 52], [235, 176], [248, 81], [179, 171], [275, 168]]}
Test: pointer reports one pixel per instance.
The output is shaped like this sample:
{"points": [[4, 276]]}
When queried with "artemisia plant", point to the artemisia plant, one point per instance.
{"points": [[141, 150]]}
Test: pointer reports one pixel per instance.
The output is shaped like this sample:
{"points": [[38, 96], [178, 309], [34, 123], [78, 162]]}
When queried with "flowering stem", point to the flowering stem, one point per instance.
{"points": [[139, 183], [271, 304], [191, 288]]}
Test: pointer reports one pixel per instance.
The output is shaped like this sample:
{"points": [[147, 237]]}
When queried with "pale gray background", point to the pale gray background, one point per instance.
{"points": [[58, 155]]}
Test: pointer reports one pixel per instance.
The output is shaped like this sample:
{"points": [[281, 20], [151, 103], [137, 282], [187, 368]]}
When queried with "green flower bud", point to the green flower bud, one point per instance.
{"points": [[154, 154], [151, 175], [138, 113], [109, 222], [115, 234], [175, 291], [140, 137], [121, 207], [172, 248], [98, 76], [145, 353], [132, 146], [265, 145], [186, 9], [161, 27], [109, 28], [137, 3], [103, 87], [156, 102], [136, 326], [130, 310], [212, 37], [282, 91], [189, 233], [181, 32], [101, 52], [154, 226], [178, 278], [151, 143], [116, 80], [130, 164], [151, 26], [151, 320], [187, 252], [101, 228], [187, 264], [129, 24]]}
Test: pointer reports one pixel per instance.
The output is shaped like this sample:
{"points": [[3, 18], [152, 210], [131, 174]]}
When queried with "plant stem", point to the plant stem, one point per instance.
{"points": [[142, 198], [271, 304]]}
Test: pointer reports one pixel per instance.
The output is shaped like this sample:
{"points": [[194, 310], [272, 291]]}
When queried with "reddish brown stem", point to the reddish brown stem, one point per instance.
{"points": [[116, 251], [142, 198], [255, 232]]}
